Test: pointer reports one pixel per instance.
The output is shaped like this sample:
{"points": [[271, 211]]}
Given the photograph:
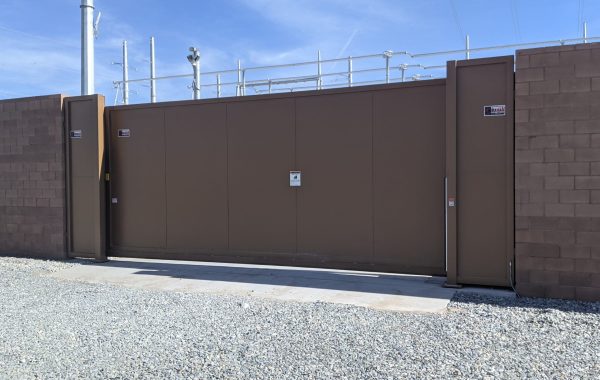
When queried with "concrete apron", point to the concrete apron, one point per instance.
{"points": [[382, 291]]}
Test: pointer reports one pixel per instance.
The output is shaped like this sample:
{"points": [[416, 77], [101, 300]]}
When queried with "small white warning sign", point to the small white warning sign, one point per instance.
{"points": [[295, 179]]}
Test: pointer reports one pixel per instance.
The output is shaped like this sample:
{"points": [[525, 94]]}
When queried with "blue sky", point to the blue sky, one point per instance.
{"points": [[40, 40]]}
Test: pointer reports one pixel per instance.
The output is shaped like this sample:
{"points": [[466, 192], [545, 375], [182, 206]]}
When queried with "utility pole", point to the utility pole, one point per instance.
{"points": [[87, 47]]}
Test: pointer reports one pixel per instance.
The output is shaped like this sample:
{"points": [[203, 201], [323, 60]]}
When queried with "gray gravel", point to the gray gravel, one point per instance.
{"points": [[54, 329]]}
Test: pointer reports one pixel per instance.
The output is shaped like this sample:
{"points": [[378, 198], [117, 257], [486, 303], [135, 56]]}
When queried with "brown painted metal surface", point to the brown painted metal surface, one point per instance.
{"points": [[335, 154], [138, 191], [262, 206], [196, 177], [85, 176], [484, 171], [409, 177], [209, 180], [450, 180]]}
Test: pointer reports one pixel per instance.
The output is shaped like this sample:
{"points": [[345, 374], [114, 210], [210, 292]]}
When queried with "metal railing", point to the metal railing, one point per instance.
{"points": [[322, 73]]}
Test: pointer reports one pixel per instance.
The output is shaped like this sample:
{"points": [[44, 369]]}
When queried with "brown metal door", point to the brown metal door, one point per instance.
{"points": [[484, 171], [196, 177], [409, 151], [335, 154], [262, 207], [138, 192]]}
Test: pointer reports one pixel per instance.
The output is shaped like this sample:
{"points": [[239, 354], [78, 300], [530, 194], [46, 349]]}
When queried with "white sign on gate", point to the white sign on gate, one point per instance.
{"points": [[295, 179]]}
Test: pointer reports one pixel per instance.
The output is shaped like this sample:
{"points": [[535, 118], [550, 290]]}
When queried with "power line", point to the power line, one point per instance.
{"points": [[456, 20], [515, 19], [580, 13], [578, 16]]}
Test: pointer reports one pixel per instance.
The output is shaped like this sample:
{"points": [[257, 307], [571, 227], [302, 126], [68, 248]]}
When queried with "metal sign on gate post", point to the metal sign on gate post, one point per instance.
{"points": [[494, 110], [123, 133]]}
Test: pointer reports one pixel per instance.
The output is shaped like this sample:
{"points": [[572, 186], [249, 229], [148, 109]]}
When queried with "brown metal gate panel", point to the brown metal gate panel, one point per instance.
{"points": [[335, 155], [409, 177], [196, 177], [484, 171], [138, 212], [210, 179], [262, 206]]}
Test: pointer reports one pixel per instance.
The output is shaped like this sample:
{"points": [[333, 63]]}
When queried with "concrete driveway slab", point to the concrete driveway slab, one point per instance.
{"points": [[382, 291]]}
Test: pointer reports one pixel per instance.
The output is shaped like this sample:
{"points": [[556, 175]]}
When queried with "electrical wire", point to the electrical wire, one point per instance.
{"points": [[456, 20], [579, 16], [582, 12], [515, 19]]}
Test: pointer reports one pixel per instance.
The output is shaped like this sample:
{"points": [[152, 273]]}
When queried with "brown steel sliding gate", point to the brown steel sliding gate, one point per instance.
{"points": [[210, 180], [382, 169]]}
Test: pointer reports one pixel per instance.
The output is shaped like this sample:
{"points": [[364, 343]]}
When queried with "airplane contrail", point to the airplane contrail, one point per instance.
{"points": [[347, 44]]}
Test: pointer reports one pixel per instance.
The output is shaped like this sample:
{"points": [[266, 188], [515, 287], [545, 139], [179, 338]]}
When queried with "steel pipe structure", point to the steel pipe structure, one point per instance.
{"points": [[125, 65], [467, 47], [194, 59], [87, 47], [350, 71], [152, 72], [319, 71], [347, 76]]}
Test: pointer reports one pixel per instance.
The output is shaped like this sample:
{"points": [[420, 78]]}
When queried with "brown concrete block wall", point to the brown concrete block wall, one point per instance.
{"points": [[557, 170], [32, 177]]}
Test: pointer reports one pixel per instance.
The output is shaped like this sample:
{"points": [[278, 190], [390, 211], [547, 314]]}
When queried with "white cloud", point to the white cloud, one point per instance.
{"points": [[337, 27], [31, 63], [332, 19]]}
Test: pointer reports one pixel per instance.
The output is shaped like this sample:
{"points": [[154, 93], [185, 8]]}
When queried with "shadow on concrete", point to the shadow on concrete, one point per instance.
{"points": [[341, 280]]}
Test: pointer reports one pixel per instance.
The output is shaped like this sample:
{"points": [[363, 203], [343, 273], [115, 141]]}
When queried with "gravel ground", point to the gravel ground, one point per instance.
{"points": [[55, 329]]}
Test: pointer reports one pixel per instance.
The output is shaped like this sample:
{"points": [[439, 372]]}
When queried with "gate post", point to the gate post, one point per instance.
{"points": [[479, 171], [450, 201], [86, 209]]}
